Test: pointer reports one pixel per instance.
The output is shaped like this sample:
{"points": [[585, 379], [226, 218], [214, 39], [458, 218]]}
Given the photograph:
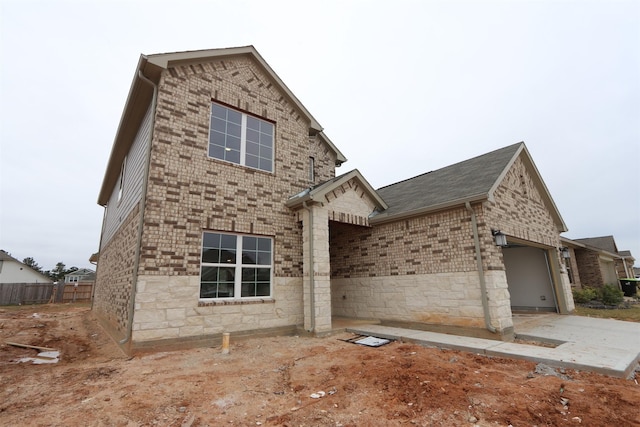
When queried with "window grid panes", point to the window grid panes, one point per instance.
{"points": [[239, 138], [235, 266]]}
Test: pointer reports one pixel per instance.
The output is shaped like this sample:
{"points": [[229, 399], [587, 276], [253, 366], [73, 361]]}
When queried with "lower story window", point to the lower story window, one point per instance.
{"points": [[235, 266]]}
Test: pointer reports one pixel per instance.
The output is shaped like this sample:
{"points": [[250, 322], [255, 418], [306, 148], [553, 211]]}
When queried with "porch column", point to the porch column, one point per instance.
{"points": [[317, 286]]}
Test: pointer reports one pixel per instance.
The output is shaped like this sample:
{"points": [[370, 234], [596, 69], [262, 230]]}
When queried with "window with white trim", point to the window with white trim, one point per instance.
{"points": [[312, 169], [121, 180], [235, 266], [240, 138]]}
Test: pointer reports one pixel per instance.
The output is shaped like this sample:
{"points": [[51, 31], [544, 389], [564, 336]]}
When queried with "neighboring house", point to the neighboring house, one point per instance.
{"points": [[569, 261], [13, 271], [80, 275], [223, 214], [596, 261], [625, 265]]}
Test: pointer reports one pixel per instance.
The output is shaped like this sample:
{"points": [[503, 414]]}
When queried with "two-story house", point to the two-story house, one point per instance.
{"points": [[223, 213], [80, 275]]}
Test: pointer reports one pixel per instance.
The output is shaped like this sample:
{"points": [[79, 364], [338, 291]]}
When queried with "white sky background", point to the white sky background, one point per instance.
{"points": [[401, 87]]}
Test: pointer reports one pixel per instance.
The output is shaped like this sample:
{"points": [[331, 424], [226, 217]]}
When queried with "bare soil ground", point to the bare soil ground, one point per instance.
{"points": [[270, 381]]}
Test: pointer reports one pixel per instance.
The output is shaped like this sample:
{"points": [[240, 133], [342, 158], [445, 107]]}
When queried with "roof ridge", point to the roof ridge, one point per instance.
{"points": [[453, 164]]}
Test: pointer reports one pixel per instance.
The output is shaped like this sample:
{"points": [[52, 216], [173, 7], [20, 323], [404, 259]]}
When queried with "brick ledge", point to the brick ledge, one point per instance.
{"points": [[234, 302]]}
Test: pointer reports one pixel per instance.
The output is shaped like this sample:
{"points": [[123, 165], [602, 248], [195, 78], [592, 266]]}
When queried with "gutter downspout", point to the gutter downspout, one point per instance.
{"points": [[312, 300], [624, 264], [136, 262], [483, 284]]}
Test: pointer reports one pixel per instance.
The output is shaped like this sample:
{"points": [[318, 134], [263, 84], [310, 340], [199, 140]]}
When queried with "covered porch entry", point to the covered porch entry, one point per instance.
{"points": [[348, 199]]}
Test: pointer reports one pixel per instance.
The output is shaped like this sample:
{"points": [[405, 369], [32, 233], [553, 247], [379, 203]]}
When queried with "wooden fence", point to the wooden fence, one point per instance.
{"points": [[25, 293], [42, 293], [73, 293]]}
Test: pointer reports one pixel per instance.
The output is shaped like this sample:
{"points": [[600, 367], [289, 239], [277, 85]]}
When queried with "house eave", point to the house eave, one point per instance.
{"points": [[382, 218], [138, 100], [315, 194], [340, 158], [299, 199], [578, 245], [166, 60]]}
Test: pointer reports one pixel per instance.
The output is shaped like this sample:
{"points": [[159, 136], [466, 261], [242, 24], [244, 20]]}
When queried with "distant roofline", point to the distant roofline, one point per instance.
{"points": [[576, 243], [4, 256]]}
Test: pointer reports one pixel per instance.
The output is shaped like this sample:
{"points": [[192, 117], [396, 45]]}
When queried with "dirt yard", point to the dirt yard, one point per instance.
{"points": [[284, 381]]}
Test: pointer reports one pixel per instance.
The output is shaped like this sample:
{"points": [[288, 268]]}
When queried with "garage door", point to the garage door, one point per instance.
{"points": [[529, 279]]}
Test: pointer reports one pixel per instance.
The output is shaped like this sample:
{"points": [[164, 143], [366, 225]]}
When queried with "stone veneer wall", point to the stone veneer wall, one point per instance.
{"points": [[167, 309], [188, 193], [440, 298], [114, 276]]}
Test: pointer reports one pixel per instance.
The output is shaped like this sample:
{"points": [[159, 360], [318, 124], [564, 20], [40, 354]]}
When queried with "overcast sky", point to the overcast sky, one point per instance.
{"points": [[401, 87]]}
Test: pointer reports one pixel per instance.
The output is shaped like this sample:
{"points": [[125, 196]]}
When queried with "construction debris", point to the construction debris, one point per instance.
{"points": [[15, 344]]}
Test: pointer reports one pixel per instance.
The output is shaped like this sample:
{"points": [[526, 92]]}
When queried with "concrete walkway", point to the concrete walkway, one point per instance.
{"points": [[609, 347]]}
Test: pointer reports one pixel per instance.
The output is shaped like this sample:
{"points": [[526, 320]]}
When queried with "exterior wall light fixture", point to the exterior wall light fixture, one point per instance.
{"points": [[501, 239], [564, 251]]}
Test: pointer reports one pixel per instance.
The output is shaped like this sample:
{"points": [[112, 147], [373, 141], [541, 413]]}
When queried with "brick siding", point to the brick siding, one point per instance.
{"points": [[572, 263], [114, 276], [189, 192], [438, 243], [591, 274], [423, 269], [519, 209]]}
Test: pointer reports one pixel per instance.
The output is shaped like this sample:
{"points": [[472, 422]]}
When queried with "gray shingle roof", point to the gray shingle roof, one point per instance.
{"points": [[606, 243], [627, 254], [473, 178], [80, 272], [4, 256]]}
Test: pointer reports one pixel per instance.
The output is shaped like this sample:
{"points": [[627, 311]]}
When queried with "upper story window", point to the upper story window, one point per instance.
{"points": [[240, 138], [312, 169], [121, 179]]}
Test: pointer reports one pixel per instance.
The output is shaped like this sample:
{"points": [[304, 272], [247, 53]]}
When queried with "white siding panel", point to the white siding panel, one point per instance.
{"points": [[133, 182], [14, 272]]}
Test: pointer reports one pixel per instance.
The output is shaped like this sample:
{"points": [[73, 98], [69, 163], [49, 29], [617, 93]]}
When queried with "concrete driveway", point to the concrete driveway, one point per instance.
{"points": [[609, 347]]}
